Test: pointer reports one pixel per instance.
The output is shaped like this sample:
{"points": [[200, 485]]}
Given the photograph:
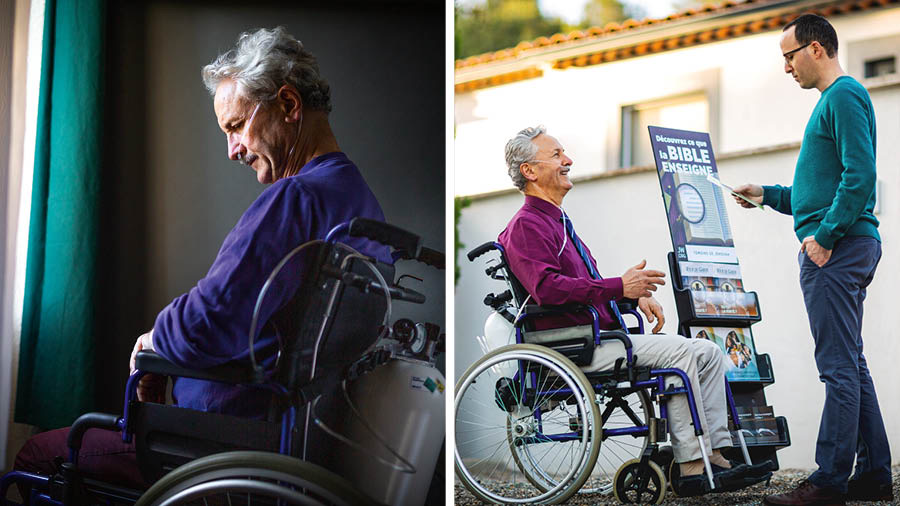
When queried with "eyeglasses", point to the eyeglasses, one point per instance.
{"points": [[789, 56]]}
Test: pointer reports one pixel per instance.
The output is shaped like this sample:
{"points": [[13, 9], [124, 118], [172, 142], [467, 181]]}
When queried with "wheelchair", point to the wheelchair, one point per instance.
{"points": [[337, 323], [532, 427]]}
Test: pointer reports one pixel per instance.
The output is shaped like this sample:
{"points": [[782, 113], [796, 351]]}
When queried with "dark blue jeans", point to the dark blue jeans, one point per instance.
{"points": [[851, 423]]}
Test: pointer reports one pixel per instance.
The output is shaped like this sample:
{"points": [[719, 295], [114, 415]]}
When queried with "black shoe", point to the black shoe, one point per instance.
{"points": [[742, 480], [698, 484], [864, 490], [690, 486], [759, 469]]}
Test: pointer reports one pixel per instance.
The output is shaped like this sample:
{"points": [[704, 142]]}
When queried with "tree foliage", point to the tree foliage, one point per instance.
{"points": [[601, 12], [497, 24], [459, 203]]}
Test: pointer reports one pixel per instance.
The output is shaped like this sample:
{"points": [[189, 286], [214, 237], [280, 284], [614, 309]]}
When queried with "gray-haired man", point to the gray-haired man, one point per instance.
{"points": [[272, 104]]}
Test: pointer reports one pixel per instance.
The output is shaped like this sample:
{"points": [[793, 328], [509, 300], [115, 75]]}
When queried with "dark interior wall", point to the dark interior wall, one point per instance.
{"points": [[171, 194]]}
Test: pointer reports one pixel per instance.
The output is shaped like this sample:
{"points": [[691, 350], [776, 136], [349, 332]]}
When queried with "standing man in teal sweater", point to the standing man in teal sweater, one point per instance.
{"points": [[832, 200]]}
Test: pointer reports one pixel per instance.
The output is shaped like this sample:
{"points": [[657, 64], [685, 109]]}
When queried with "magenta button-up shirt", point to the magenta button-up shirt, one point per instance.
{"points": [[533, 240]]}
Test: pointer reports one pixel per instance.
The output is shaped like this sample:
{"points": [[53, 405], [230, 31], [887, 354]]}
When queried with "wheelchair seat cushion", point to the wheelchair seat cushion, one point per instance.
{"points": [[550, 336]]}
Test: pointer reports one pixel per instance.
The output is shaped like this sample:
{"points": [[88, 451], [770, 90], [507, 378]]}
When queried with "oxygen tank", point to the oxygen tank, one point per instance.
{"points": [[403, 401], [497, 332]]}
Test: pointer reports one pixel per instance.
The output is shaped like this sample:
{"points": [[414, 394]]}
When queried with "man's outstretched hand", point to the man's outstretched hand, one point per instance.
{"points": [[753, 192], [637, 283], [651, 308]]}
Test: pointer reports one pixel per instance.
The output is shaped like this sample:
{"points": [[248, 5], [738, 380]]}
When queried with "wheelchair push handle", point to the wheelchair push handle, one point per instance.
{"points": [[401, 240], [481, 250], [431, 257]]}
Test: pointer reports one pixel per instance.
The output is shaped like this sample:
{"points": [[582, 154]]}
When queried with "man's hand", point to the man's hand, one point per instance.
{"points": [[815, 251], [650, 307], [637, 283], [151, 387], [144, 342], [751, 191]]}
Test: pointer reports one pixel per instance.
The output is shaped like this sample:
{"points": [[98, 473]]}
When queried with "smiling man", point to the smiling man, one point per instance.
{"points": [[832, 200], [272, 104], [555, 267]]}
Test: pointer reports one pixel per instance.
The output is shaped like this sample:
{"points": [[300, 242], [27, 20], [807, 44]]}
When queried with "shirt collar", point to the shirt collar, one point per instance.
{"points": [[543, 206]]}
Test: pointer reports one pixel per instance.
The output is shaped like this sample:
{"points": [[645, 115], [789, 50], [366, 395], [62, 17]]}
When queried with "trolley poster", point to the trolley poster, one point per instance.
{"points": [[698, 223], [737, 345]]}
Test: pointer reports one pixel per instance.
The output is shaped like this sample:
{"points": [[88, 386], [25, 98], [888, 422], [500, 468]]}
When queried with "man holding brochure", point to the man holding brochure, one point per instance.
{"points": [[832, 200]]}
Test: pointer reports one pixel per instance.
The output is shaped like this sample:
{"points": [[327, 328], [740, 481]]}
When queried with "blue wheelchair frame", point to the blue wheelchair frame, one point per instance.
{"points": [[406, 246], [656, 383]]}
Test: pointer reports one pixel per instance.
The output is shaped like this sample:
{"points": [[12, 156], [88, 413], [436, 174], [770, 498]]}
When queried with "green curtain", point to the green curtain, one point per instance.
{"points": [[56, 355]]}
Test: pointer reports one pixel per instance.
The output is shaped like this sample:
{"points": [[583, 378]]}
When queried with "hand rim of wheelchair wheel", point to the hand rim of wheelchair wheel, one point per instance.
{"points": [[624, 483], [242, 464], [573, 377], [272, 490]]}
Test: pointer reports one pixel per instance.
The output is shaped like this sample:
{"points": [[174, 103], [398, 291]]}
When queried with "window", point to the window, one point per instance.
{"points": [[874, 58], [684, 112], [880, 67]]}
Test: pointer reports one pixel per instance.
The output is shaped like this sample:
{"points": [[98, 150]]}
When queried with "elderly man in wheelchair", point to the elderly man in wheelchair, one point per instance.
{"points": [[549, 425], [261, 351]]}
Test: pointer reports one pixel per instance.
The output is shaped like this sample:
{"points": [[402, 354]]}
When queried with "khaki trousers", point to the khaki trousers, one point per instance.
{"points": [[705, 366]]}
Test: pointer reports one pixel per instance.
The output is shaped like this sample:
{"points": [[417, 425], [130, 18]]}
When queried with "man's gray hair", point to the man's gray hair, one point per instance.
{"points": [[521, 149], [264, 61]]}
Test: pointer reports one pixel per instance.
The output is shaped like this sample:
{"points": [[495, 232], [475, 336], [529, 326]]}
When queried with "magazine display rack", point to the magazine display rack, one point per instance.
{"points": [[706, 279]]}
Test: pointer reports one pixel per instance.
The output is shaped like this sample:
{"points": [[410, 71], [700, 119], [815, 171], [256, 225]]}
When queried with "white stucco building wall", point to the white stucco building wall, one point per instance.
{"points": [[757, 117]]}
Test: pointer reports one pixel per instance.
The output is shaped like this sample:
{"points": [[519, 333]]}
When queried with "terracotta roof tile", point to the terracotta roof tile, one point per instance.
{"points": [[724, 32]]}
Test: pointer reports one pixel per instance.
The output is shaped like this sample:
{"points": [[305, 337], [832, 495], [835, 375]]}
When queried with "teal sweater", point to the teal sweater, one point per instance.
{"points": [[833, 194]]}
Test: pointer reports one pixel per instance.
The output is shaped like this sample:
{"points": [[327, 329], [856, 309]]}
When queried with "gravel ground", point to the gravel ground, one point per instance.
{"points": [[782, 481]]}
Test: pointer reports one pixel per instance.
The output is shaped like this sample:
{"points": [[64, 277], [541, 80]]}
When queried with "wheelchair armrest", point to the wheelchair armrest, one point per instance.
{"points": [[90, 421], [616, 335], [533, 311], [232, 372], [627, 304]]}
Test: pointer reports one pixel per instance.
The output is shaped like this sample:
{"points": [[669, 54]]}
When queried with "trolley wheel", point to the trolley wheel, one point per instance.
{"points": [[527, 426], [640, 484]]}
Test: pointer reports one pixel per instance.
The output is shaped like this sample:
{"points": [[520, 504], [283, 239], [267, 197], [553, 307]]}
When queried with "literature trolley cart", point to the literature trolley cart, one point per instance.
{"points": [[709, 290]]}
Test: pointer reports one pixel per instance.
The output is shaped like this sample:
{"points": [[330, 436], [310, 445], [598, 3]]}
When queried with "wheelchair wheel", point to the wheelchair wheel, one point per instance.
{"points": [[619, 412], [526, 426], [252, 477], [674, 474], [640, 484]]}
